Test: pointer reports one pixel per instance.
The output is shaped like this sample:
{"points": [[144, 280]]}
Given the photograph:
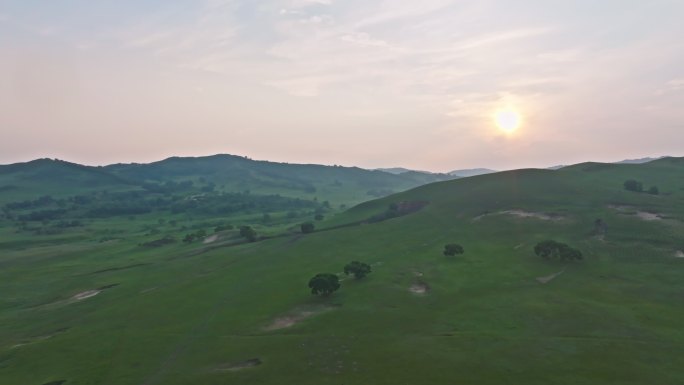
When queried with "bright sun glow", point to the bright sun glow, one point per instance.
{"points": [[508, 120]]}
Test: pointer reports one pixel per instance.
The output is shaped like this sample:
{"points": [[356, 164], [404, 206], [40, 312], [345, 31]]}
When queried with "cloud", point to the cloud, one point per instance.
{"points": [[438, 66]]}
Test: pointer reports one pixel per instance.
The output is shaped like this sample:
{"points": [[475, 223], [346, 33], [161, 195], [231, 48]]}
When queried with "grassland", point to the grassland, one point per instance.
{"points": [[196, 313]]}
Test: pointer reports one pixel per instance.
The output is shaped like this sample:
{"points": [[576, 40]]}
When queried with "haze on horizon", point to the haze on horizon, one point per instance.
{"points": [[368, 83]]}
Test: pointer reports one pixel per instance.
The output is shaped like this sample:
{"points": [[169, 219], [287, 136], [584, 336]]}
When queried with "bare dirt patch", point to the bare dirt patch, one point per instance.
{"points": [[530, 214], [210, 239], [549, 278], [648, 216], [679, 254], [234, 366], [296, 316], [643, 215], [420, 288], [524, 214]]}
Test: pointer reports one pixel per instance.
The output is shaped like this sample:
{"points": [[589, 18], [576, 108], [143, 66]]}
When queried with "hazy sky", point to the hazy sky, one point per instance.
{"points": [[371, 83]]}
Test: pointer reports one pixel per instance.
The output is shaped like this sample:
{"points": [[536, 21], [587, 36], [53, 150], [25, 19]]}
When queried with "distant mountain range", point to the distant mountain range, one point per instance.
{"points": [[227, 173], [456, 173]]}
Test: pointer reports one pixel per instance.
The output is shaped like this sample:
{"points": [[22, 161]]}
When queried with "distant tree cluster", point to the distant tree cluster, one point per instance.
{"points": [[197, 235], [176, 198], [327, 283], [307, 227], [397, 210], [248, 233], [453, 249], [167, 240], [636, 186], [556, 250]]}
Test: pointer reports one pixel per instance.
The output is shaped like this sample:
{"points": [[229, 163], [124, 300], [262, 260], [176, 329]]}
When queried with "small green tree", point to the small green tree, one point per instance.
{"points": [[307, 227], [453, 249], [653, 190], [248, 233], [359, 269], [324, 284], [552, 249], [633, 185]]}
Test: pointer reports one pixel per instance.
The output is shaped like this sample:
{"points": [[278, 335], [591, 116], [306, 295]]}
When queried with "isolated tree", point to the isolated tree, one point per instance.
{"points": [[319, 217], [324, 284], [189, 238], [633, 185], [556, 250], [359, 269], [600, 227], [653, 190], [307, 227], [248, 233], [453, 249]]}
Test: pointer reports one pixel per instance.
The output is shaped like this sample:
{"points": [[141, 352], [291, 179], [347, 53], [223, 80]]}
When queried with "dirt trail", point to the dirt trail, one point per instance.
{"points": [[523, 214], [240, 365], [419, 288], [295, 317], [549, 278], [210, 239]]}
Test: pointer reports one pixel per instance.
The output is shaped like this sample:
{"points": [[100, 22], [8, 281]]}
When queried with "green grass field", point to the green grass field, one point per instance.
{"points": [[77, 309]]}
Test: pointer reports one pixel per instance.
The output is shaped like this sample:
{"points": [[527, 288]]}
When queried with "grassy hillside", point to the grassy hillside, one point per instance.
{"points": [[235, 173], [218, 173], [84, 310], [40, 177]]}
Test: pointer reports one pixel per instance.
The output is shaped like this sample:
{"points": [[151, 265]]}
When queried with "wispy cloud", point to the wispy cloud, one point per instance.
{"points": [[438, 66]]}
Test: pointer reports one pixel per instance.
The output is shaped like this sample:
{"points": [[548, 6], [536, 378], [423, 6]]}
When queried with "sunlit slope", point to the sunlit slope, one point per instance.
{"points": [[179, 316], [583, 187]]}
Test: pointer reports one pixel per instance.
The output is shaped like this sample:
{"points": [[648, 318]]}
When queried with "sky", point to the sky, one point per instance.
{"points": [[369, 83]]}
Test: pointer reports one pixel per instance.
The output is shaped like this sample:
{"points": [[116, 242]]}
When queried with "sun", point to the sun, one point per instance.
{"points": [[508, 120]]}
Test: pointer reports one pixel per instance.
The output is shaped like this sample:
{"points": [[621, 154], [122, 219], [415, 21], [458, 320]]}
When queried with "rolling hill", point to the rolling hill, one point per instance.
{"points": [[227, 173], [80, 311]]}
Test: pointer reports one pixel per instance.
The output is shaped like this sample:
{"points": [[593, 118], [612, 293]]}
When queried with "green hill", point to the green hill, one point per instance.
{"points": [[221, 173], [235, 173], [114, 312], [46, 176]]}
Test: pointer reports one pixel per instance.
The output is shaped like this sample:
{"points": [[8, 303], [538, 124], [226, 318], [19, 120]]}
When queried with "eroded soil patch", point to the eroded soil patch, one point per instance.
{"points": [[210, 239], [643, 215], [420, 288], [549, 278], [524, 214], [234, 366], [296, 316]]}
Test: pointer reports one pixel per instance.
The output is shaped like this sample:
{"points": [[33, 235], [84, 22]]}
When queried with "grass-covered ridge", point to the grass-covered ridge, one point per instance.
{"points": [[243, 314]]}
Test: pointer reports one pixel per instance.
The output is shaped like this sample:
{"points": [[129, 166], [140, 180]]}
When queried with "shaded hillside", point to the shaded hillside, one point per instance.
{"points": [[46, 176], [224, 173], [236, 173]]}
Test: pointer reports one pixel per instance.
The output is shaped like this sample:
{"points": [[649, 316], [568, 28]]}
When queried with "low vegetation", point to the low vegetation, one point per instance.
{"points": [[453, 249], [357, 269], [557, 250]]}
